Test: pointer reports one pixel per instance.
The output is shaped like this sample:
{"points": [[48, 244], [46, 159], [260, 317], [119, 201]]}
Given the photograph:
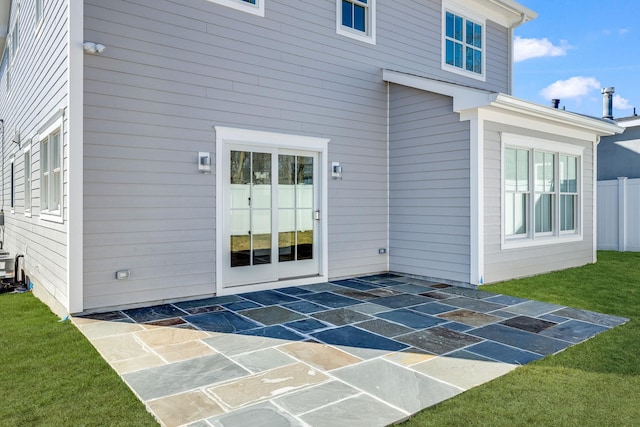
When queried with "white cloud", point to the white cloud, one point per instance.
{"points": [[574, 87], [621, 103], [524, 49]]}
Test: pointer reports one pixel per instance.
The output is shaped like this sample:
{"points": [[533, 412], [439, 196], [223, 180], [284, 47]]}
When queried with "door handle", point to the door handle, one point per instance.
{"points": [[317, 215]]}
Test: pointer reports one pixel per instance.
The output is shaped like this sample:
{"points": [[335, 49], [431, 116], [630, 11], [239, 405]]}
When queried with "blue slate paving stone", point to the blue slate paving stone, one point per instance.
{"points": [[330, 300], [307, 325], [410, 288], [272, 315], [460, 327], [437, 295], [469, 293], [553, 318], [384, 292], [403, 300], [354, 284], [503, 353], [321, 287], [438, 340], [304, 307], [384, 328], [157, 312], [341, 316], [528, 324], [353, 293], [534, 308], [410, 318], [574, 331], [205, 309], [591, 317], [433, 308], [221, 321], [503, 313], [294, 290], [382, 276], [505, 300], [110, 316], [276, 331], [474, 304], [241, 305], [354, 337], [521, 339], [207, 301], [269, 297]]}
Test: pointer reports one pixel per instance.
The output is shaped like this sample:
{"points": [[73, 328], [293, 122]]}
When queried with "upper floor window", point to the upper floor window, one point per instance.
{"points": [[356, 19], [255, 7], [541, 190], [463, 44]]}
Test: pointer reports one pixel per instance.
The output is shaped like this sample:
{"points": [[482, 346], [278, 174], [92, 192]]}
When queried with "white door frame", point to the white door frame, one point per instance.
{"points": [[226, 137]]}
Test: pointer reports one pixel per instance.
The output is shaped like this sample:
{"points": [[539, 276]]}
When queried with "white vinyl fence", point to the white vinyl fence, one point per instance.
{"points": [[619, 215]]}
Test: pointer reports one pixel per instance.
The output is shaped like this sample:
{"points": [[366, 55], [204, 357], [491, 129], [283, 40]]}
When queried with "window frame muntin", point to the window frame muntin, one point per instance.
{"points": [[558, 148], [368, 36]]}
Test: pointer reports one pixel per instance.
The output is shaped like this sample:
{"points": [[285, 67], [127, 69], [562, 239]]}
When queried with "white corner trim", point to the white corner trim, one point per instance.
{"points": [[476, 205], [75, 179]]}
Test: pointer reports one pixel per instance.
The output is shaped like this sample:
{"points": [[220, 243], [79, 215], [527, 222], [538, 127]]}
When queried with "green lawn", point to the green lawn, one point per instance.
{"points": [[596, 383], [51, 376]]}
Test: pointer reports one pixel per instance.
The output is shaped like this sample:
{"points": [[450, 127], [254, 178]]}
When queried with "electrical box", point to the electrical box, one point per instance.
{"points": [[204, 162]]}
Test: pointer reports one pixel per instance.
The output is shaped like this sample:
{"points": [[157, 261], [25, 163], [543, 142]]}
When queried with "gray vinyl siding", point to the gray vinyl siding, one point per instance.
{"points": [[510, 263], [172, 70], [429, 231], [37, 94]]}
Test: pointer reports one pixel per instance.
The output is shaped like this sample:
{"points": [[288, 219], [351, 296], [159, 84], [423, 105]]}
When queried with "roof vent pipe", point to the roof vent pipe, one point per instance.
{"points": [[607, 102], [555, 103]]}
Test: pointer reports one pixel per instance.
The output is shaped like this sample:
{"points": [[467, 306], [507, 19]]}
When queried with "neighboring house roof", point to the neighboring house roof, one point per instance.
{"points": [[465, 98], [628, 122]]}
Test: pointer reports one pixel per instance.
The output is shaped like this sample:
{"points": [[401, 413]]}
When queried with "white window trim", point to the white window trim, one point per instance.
{"points": [[369, 36], [458, 9], [56, 124], [533, 239], [14, 50], [257, 9], [28, 211]]}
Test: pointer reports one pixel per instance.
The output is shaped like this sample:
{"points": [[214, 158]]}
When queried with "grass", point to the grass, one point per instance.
{"points": [[51, 376], [596, 383]]}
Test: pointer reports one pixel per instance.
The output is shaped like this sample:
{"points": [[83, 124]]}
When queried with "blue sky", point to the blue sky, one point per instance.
{"points": [[575, 48]]}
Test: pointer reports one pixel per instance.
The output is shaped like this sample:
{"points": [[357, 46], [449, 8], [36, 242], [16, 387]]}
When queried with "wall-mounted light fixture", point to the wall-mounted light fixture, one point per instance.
{"points": [[93, 48], [204, 162], [336, 170], [16, 137]]}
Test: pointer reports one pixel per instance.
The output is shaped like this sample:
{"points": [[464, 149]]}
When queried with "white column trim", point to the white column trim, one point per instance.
{"points": [[622, 214], [476, 208]]}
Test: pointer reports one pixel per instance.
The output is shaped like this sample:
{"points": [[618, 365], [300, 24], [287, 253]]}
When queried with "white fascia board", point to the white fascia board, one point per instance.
{"points": [[596, 126], [463, 97], [507, 13]]}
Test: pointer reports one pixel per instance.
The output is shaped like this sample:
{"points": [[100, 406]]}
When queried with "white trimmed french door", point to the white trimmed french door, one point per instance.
{"points": [[270, 207]]}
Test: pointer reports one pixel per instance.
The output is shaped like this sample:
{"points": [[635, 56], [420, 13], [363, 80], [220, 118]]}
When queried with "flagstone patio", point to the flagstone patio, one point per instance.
{"points": [[368, 351]]}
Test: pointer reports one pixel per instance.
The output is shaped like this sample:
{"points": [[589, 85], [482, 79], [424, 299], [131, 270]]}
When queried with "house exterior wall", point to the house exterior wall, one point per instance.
{"points": [[619, 155], [503, 264], [429, 157], [37, 95], [173, 70]]}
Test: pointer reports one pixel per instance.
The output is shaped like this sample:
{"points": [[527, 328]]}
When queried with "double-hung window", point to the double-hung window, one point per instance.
{"points": [[463, 44], [541, 191], [255, 7], [356, 19], [51, 146]]}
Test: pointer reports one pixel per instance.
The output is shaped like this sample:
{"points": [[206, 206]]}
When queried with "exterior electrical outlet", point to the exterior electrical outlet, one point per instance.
{"points": [[123, 274]]}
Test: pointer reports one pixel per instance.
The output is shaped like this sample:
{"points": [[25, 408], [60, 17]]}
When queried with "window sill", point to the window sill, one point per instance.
{"points": [[463, 72], [257, 10], [541, 241], [52, 217], [356, 35]]}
